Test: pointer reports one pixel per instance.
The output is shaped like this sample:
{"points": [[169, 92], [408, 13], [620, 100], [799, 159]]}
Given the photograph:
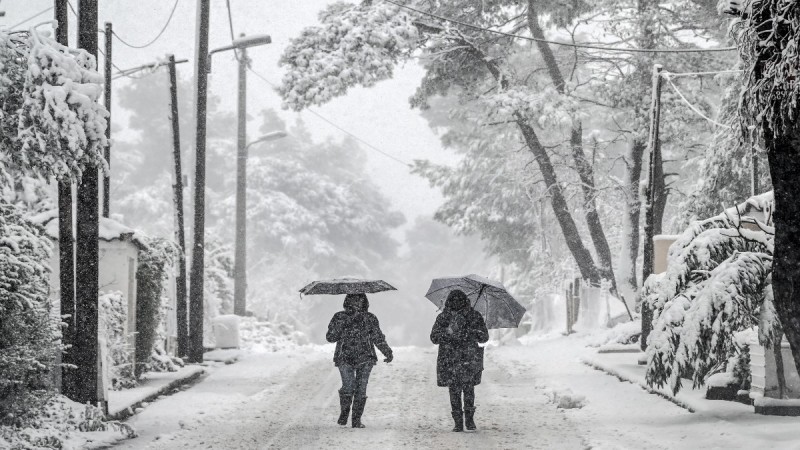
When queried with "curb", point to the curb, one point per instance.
{"points": [[609, 371], [131, 410]]}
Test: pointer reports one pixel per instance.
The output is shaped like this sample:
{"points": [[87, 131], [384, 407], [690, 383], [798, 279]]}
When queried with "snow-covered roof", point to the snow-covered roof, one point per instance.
{"points": [[110, 230]]}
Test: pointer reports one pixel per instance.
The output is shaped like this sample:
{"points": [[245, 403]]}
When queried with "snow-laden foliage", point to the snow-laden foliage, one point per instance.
{"points": [[61, 425], [768, 37], [61, 125], [725, 167], [152, 273], [353, 45], [217, 286], [542, 105], [117, 344], [28, 328], [717, 284]]}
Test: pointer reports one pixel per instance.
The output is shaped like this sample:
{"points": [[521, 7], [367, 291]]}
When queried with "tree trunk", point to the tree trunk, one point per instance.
{"points": [[573, 238], [634, 207], [784, 155], [582, 165]]}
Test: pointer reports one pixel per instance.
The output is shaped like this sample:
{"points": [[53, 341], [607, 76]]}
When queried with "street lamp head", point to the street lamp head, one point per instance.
{"points": [[252, 41], [271, 136], [240, 44]]}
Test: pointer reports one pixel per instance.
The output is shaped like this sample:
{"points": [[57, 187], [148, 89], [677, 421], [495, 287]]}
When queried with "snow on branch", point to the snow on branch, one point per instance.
{"points": [[354, 45], [61, 126]]}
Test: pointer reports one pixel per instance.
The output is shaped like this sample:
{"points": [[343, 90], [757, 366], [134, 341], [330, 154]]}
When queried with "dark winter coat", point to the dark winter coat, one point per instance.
{"points": [[460, 360], [356, 333]]}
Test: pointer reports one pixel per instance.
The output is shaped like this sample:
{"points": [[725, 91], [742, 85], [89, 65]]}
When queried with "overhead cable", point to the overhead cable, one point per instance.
{"points": [[334, 125], [152, 41], [565, 44]]}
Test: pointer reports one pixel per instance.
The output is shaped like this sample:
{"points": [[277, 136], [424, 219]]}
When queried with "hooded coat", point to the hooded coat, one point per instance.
{"points": [[458, 331], [356, 332]]}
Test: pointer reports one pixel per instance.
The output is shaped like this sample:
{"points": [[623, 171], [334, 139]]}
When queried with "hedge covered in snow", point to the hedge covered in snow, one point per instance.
{"points": [[29, 331], [718, 283]]}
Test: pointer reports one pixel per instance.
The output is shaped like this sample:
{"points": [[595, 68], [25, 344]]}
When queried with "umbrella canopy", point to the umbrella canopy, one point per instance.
{"points": [[346, 286], [488, 297]]}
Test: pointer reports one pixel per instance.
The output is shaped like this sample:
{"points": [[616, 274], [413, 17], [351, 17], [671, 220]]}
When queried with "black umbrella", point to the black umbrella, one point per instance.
{"points": [[346, 286], [488, 297]]}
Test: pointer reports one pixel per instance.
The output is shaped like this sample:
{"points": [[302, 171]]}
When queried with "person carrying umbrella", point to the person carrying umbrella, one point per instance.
{"points": [[457, 331], [356, 332]]}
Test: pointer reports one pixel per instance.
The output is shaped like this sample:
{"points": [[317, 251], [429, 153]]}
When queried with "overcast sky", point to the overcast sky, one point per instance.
{"points": [[380, 115]]}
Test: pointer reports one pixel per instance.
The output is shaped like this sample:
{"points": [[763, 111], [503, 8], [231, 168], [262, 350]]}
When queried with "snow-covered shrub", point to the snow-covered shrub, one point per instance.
{"points": [[623, 333], [29, 332], [113, 316], [217, 286], [60, 425], [717, 284], [265, 336], [354, 45], [155, 261]]}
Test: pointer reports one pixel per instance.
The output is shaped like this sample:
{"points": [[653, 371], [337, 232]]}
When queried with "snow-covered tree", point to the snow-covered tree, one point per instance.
{"points": [[718, 283], [767, 34]]}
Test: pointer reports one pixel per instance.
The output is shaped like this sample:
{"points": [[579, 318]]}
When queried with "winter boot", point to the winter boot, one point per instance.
{"points": [[345, 400], [458, 418], [469, 418], [358, 410]]}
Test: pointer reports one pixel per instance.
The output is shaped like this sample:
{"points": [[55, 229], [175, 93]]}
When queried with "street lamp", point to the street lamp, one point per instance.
{"points": [[240, 253], [240, 278]]}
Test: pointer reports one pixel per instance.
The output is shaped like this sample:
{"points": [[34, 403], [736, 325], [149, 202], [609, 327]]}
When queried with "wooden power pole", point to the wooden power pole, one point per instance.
{"points": [[655, 171], [198, 244], [183, 329], [86, 248], [66, 244], [107, 98]]}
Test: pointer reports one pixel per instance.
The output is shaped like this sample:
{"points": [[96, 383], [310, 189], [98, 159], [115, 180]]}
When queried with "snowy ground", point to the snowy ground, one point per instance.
{"points": [[289, 400]]}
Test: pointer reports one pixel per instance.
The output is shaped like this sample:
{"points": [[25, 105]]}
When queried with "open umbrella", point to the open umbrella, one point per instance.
{"points": [[346, 286], [488, 297]]}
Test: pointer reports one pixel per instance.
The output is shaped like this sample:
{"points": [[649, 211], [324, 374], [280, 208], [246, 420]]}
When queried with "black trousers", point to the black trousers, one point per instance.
{"points": [[455, 397]]}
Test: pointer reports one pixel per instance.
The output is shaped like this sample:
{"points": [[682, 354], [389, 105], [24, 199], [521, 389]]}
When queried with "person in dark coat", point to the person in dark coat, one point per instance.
{"points": [[356, 332], [458, 331]]}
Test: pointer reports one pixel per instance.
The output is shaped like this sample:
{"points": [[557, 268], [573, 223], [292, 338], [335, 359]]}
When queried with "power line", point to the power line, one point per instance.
{"points": [[30, 18], [163, 29], [334, 125], [566, 44], [690, 105], [695, 74]]}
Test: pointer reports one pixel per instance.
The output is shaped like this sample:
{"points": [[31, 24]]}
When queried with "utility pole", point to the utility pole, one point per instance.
{"points": [[240, 262], [183, 329], [86, 249], [66, 244], [240, 254], [107, 97], [651, 228], [198, 244]]}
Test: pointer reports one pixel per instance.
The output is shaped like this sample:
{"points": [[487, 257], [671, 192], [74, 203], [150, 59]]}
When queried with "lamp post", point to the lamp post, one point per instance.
{"points": [[240, 277], [240, 256]]}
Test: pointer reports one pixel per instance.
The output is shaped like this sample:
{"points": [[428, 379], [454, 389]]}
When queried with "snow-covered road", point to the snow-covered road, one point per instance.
{"points": [[289, 400], [296, 405]]}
